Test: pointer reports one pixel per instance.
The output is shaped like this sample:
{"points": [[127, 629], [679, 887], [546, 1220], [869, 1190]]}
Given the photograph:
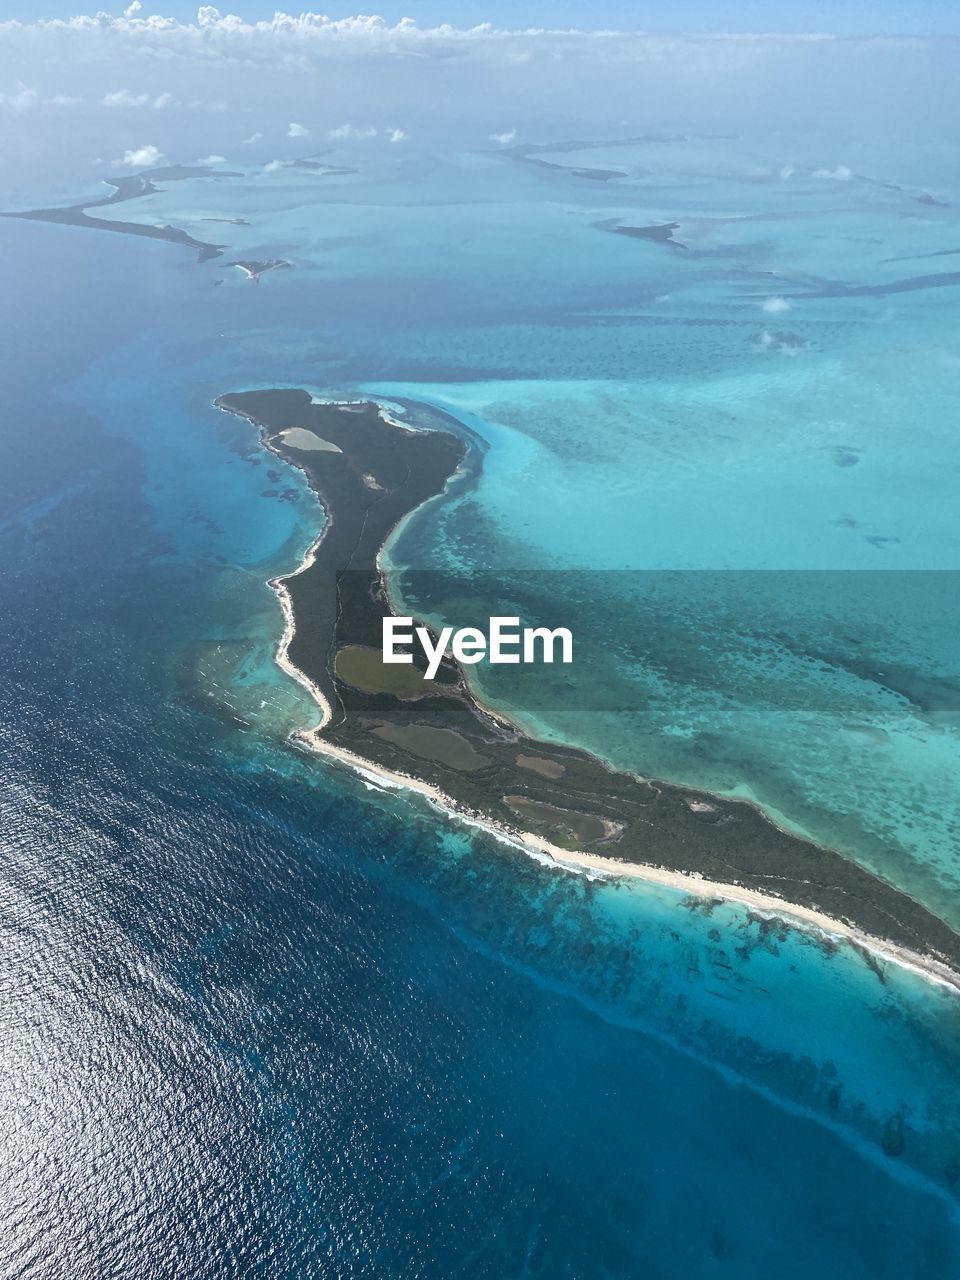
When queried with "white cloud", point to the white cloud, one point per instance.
{"points": [[273, 165], [397, 135], [295, 130], [21, 99], [775, 306], [783, 344], [840, 174], [350, 131], [518, 45], [142, 157], [124, 98], [254, 137], [211, 160], [367, 65], [787, 172]]}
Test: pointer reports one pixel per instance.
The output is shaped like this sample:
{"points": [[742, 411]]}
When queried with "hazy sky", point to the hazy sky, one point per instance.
{"points": [[842, 17], [82, 98]]}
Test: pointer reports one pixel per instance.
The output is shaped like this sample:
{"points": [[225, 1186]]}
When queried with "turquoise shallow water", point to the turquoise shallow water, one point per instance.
{"points": [[412, 1049], [740, 425]]}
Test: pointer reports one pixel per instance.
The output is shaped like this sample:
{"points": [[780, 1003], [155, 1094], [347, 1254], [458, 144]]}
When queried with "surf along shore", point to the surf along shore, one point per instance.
{"points": [[370, 472]]}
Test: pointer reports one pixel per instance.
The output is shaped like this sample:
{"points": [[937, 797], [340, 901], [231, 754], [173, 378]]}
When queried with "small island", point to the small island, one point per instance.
{"points": [[253, 270], [371, 471], [659, 233]]}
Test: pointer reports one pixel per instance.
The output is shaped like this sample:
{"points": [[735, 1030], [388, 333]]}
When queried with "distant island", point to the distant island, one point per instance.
{"points": [[133, 187], [533, 153], [370, 471], [321, 169], [253, 270]]}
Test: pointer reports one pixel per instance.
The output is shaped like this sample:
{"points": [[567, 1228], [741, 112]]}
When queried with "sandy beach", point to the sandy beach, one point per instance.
{"points": [[278, 586], [797, 916]]}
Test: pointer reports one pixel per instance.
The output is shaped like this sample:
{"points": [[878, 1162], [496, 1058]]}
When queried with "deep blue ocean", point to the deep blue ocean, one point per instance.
{"points": [[260, 1020]]}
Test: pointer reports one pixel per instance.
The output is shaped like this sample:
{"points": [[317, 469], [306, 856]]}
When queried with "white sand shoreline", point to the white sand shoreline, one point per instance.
{"points": [[279, 587], [807, 919]]}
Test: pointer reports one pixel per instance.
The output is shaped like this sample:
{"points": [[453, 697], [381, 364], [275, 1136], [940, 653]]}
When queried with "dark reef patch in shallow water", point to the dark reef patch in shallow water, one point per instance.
{"points": [[844, 456]]}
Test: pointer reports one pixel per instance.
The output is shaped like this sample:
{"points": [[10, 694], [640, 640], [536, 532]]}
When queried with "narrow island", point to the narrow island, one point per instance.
{"points": [[371, 471], [659, 233], [321, 169], [532, 153], [133, 187]]}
